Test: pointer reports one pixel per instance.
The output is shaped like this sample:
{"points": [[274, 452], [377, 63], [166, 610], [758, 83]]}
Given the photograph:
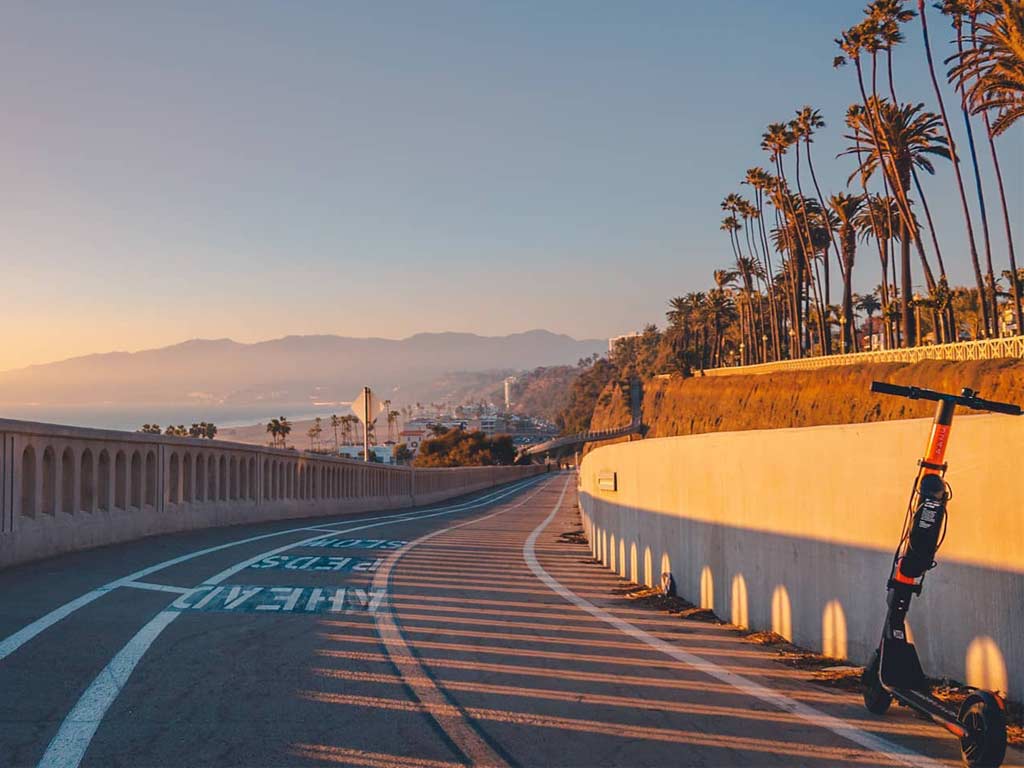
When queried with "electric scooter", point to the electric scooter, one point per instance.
{"points": [[895, 670]]}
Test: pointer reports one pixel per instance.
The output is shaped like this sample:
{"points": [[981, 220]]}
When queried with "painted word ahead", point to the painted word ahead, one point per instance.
{"points": [[318, 563], [252, 599]]}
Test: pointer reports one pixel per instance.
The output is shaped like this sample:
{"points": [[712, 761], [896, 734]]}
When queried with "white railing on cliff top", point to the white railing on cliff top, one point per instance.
{"points": [[988, 349]]}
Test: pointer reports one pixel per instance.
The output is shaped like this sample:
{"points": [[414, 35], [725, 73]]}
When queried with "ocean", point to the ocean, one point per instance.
{"points": [[131, 417]]}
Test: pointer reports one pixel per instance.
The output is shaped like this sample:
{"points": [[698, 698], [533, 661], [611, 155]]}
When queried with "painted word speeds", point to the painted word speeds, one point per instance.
{"points": [[315, 563]]}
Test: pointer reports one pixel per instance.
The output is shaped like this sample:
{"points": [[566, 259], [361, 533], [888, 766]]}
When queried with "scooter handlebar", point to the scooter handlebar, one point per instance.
{"points": [[968, 401]]}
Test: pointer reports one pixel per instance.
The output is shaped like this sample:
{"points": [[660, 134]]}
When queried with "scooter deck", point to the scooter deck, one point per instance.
{"points": [[930, 706]]}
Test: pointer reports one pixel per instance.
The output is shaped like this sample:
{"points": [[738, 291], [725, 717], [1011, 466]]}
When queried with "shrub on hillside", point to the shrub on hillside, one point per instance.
{"points": [[460, 448]]}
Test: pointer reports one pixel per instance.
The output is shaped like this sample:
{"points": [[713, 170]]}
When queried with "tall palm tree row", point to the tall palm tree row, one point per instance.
{"points": [[774, 299]]}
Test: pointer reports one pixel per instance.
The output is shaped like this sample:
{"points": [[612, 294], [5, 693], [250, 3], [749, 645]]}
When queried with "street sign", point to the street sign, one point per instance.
{"points": [[366, 406]]}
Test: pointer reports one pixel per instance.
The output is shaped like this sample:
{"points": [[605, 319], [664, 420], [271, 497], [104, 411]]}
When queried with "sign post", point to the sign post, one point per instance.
{"points": [[366, 407]]}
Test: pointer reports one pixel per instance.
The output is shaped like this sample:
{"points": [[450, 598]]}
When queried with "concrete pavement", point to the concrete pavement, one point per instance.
{"points": [[465, 633]]}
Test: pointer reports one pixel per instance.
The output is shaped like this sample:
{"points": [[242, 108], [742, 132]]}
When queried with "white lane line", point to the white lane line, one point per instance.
{"points": [[450, 719], [13, 642], [889, 750], [68, 746], [156, 587]]}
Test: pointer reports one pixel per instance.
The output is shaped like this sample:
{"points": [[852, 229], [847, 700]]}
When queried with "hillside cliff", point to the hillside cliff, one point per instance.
{"points": [[838, 395]]}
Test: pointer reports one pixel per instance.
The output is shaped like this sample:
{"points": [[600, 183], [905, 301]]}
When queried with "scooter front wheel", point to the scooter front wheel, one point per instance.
{"points": [[876, 698], [983, 744]]}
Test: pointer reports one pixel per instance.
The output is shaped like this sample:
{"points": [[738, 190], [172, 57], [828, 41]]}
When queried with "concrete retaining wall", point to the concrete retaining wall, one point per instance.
{"points": [[793, 530], [69, 488]]}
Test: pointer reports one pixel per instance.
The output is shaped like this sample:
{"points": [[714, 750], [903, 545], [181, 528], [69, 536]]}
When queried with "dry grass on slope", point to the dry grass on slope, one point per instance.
{"points": [[838, 395]]}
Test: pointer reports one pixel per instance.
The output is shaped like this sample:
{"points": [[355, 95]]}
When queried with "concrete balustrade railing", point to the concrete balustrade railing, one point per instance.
{"points": [[984, 349], [793, 530], [67, 488]]}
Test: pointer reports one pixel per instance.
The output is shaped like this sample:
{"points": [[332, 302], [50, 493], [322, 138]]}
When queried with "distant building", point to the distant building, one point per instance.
{"points": [[616, 339], [385, 453], [412, 439]]}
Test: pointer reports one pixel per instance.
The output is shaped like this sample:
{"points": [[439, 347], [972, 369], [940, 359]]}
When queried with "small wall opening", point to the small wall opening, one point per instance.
{"points": [[49, 482], [104, 502], [151, 479], [174, 475], [121, 480], [87, 482], [211, 478], [200, 478], [28, 482], [136, 481]]}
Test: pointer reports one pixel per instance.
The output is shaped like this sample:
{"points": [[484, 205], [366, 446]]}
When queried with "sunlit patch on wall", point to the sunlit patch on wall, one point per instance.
{"points": [[634, 564], [666, 565], [622, 558], [707, 589], [986, 667], [611, 552], [739, 606], [833, 630], [648, 568], [782, 613]]}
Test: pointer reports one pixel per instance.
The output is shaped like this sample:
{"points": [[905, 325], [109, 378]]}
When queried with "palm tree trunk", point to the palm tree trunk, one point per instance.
{"points": [[1015, 281], [983, 211], [812, 276], [956, 167], [772, 304], [824, 208]]}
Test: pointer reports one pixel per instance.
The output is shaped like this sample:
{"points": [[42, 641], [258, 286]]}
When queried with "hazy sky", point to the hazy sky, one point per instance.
{"points": [[179, 170]]}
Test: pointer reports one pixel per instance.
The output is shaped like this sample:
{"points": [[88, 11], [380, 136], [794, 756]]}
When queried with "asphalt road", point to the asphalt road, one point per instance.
{"points": [[466, 633]]}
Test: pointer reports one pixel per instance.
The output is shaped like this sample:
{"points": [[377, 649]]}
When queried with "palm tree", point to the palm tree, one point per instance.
{"points": [[906, 137], [990, 76], [877, 219], [721, 310], [996, 62], [335, 423], [776, 140], [761, 180], [284, 429], [274, 430], [393, 425], [880, 31], [868, 303], [884, 19], [846, 207], [957, 10], [971, 242], [808, 120]]}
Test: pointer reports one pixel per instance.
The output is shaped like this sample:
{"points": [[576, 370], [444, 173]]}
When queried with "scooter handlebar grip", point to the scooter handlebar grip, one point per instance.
{"points": [[891, 389], [1010, 409]]}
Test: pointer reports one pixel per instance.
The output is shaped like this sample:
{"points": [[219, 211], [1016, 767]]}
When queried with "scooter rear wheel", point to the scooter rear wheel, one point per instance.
{"points": [[984, 743], [876, 698]]}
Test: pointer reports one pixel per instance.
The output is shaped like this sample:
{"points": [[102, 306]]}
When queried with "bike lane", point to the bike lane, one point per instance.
{"points": [[44, 675]]}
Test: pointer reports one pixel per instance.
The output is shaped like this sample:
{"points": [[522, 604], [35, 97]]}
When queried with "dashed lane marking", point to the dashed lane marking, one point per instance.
{"points": [[434, 702]]}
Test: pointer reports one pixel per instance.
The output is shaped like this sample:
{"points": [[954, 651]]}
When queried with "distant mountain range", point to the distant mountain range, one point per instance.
{"points": [[293, 369]]}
